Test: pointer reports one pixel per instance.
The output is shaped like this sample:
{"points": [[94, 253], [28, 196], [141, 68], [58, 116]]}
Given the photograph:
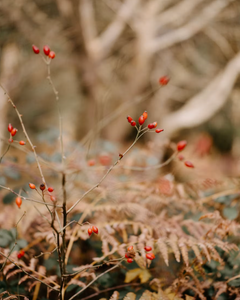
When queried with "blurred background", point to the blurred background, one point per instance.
{"points": [[109, 57]]}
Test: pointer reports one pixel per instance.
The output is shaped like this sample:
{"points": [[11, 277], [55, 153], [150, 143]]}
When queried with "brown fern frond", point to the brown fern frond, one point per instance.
{"points": [[115, 296], [10, 274], [163, 250], [173, 242], [184, 251]]}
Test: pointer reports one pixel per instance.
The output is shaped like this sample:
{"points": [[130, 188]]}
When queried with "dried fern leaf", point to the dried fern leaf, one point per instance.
{"points": [[172, 241], [130, 296], [184, 251], [24, 278], [163, 250], [115, 296], [205, 250], [13, 273], [214, 254], [196, 251]]}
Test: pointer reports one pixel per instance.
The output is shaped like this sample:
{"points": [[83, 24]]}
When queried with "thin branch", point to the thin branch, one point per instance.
{"points": [[91, 282], [108, 171], [28, 199]]}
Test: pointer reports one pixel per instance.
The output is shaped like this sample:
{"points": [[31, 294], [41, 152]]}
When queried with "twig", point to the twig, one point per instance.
{"points": [[108, 171], [91, 282], [28, 199], [110, 289], [5, 153]]}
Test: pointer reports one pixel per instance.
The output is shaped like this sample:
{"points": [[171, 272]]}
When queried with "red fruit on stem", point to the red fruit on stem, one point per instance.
{"points": [[181, 145], [150, 126], [133, 123], [164, 80], [141, 120], [18, 202], [158, 130], [148, 248], [10, 140], [10, 128], [145, 115], [95, 229], [50, 189], [130, 248], [21, 254], [188, 164], [129, 260], [105, 160], [32, 186], [154, 124], [51, 54], [150, 256], [89, 231], [42, 187], [35, 49], [46, 50], [22, 143], [91, 162], [52, 198], [129, 119], [126, 255], [13, 132]]}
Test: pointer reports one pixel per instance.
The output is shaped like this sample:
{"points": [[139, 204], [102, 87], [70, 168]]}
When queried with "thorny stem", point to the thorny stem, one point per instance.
{"points": [[64, 205], [100, 275]]}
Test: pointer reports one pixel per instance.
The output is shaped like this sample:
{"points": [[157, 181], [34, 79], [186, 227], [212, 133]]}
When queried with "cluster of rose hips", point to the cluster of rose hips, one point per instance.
{"points": [[13, 132], [141, 121], [180, 146], [130, 254], [46, 49], [33, 187], [20, 254], [92, 229]]}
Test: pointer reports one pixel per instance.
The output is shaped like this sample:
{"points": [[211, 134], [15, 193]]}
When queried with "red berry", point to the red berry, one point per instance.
{"points": [[21, 254], [154, 124], [50, 189], [129, 119], [188, 164], [13, 132], [126, 255], [95, 229], [164, 80], [42, 187], [130, 248], [105, 160], [35, 49], [180, 157], [10, 128], [181, 145], [46, 50], [158, 130], [141, 120], [10, 140], [145, 115], [22, 143], [89, 231], [150, 126], [129, 260], [18, 202], [133, 123], [32, 186], [148, 248], [91, 162], [150, 256], [51, 54], [52, 198]]}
